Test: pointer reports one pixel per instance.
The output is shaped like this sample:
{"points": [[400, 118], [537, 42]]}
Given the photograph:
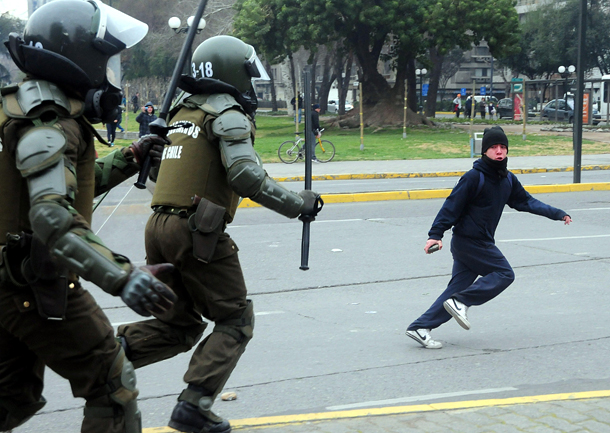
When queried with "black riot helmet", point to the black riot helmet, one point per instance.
{"points": [[229, 60], [76, 44]]}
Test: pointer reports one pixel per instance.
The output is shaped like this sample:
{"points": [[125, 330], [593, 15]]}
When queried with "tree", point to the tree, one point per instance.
{"points": [[550, 36], [396, 32], [8, 24]]}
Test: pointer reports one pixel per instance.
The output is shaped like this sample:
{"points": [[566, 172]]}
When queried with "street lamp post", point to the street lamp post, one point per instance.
{"points": [[565, 73], [420, 73], [174, 23]]}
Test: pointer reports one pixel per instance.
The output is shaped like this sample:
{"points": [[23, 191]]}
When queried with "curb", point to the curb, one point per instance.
{"points": [[431, 174], [423, 194], [274, 421]]}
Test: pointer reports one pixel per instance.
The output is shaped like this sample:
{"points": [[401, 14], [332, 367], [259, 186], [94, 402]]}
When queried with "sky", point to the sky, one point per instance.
{"points": [[18, 8]]}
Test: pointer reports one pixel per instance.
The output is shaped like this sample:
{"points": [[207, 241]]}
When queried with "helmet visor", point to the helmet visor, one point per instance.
{"points": [[115, 25], [255, 68]]}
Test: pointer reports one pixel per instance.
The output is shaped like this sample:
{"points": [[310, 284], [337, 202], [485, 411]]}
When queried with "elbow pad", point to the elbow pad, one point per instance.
{"points": [[39, 158], [248, 179]]}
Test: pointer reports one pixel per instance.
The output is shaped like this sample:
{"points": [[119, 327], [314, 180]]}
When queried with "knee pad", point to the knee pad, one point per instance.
{"points": [[241, 328], [13, 415], [121, 384]]}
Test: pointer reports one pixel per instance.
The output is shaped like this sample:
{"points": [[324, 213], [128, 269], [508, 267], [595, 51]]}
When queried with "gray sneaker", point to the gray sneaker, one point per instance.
{"points": [[459, 311], [422, 336]]}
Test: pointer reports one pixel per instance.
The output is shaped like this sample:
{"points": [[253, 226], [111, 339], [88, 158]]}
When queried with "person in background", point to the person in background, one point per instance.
{"points": [[145, 118], [457, 105]]}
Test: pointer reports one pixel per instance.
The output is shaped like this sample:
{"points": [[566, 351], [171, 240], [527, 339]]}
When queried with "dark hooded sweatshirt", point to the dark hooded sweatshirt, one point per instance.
{"points": [[144, 119], [476, 216]]}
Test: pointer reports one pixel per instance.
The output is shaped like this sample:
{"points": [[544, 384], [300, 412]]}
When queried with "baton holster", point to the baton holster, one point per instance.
{"points": [[206, 225]]}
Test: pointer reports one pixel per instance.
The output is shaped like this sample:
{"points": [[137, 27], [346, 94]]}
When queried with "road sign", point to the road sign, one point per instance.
{"points": [[424, 89], [483, 91], [463, 91], [516, 85]]}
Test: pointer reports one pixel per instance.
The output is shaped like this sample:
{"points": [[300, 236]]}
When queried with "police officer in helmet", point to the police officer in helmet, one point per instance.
{"points": [[48, 179], [208, 167]]}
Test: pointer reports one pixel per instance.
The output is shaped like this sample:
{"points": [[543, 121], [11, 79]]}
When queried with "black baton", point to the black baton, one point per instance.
{"points": [[159, 127]]}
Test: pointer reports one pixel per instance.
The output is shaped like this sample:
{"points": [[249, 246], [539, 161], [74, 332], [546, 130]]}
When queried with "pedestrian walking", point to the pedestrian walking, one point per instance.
{"points": [[457, 105], [473, 209], [209, 166], [48, 179]]}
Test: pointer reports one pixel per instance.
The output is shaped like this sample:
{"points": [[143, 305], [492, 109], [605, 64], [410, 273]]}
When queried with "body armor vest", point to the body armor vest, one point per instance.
{"points": [[192, 165]]}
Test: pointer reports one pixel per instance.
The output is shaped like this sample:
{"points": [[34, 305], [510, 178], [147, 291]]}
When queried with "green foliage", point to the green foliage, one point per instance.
{"points": [[550, 39], [8, 24]]}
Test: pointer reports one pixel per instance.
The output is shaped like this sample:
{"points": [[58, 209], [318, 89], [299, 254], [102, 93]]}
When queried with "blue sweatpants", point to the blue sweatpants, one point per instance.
{"points": [[471, 258]]}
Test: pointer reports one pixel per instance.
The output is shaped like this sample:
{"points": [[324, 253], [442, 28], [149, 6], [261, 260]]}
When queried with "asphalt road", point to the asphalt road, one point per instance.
{"points": [[333, 337]]}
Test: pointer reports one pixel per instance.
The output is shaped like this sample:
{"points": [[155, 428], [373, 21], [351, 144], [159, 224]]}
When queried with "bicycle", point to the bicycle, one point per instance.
{"points": [[290, 151]]}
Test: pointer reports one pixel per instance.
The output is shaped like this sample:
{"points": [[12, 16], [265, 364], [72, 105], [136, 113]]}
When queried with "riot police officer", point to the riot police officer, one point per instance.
{"points": [[209, 166], [48, 179]]}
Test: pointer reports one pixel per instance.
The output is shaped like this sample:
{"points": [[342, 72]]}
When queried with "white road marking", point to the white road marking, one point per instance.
{"points": [[560, 238], [393, 401], [261, 313]]}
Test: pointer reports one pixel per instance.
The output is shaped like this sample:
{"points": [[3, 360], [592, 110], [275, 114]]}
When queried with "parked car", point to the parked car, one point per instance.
{"points": [[505, 109], [559, 109], [333, 106]]}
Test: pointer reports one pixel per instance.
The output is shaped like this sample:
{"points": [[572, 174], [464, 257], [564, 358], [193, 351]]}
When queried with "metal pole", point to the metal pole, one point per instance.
{"points": [[580, 66], [404, 122], [556, 100], [491, 86], [361, 121]]}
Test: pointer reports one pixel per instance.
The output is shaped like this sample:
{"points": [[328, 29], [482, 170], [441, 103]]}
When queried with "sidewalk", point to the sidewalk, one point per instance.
{"points": [[336, 170], [579, 412]]}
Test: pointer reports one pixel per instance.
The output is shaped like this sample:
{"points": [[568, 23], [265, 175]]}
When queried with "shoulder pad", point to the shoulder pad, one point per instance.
{"points": [[214, 104], [40, 148], [232, 125], [35, 97]]}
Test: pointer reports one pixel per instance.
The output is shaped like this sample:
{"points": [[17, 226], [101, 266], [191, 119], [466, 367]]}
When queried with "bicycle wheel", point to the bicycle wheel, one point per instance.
{"points": [[288, 152], [325, 151]]}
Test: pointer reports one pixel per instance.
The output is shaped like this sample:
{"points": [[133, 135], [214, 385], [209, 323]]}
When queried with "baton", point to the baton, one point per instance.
{"points": [[308, 150], [159, 127]]}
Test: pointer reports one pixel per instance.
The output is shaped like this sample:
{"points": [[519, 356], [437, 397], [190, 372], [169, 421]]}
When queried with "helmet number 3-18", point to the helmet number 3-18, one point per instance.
{"points": [[204, 69]]}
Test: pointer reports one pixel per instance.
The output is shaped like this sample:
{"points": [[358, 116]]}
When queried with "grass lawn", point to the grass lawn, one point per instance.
{"points": [[387, 144]]}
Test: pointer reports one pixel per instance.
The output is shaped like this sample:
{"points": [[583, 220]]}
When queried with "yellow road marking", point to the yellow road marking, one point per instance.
{"points": [[269, 421], [441, 193]]}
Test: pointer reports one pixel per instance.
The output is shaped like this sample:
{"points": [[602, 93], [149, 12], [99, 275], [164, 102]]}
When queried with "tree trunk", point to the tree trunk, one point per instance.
{"points": [[273, 93], [374, 85], [411, 86], [343, 81], [435, 75], [327, 80]]}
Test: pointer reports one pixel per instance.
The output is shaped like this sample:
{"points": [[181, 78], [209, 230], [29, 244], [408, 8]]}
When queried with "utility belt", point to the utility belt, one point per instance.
{"points": [[26, 262], [206, 221]]}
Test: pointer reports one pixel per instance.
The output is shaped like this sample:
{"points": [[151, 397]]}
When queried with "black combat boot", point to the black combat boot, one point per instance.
{"points": [[187, 418]]}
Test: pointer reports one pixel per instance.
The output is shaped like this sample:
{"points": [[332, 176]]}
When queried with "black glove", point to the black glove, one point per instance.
{"points": [[145, 294], [312, 205], [149, 145]]}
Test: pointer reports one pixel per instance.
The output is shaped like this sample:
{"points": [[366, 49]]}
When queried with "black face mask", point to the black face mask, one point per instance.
{"points": [[102, 105], [499, 166]]}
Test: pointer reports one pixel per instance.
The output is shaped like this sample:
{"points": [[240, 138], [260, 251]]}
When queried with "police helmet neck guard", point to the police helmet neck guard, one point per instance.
{"points": [[76, 44]]}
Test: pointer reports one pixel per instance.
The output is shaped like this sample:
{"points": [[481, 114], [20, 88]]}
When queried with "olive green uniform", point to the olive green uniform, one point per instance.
{"points": [[80, 346], [209, 160]]}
